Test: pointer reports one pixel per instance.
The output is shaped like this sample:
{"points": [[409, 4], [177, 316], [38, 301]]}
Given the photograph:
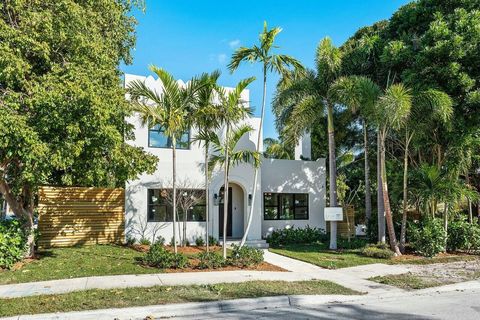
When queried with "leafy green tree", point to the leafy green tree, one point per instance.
{"points": [[172, 109], [233, 109], [63, 108], [278, 63], [277, 149]]}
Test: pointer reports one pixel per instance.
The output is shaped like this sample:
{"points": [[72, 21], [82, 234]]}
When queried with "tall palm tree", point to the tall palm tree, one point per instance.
{"points": [[207, 120], [276, 149], [271, 62], [171, 109], [232, 109], [302, 102], [227, 155]]}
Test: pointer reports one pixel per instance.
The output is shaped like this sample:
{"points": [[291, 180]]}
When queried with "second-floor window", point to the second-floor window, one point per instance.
{"points": [[158, 139]]}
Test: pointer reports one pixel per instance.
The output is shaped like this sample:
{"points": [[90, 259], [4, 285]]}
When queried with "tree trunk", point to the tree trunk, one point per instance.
{"points": [[255, 174], [207, 201], [332, 168], [403, 231], [469, 202], [386, 200], [185, 213], [174, 190], [380, 206], [225, 195], [445, 223], [368, 196]]}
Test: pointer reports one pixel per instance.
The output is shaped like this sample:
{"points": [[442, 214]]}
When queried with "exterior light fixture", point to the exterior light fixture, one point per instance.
{"points": [[249, 199], [215, 199]]}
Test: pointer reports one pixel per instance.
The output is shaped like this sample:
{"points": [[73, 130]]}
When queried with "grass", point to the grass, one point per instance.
{"points": [[408, 281], [76, 262], [130, 297], [318, 254]]}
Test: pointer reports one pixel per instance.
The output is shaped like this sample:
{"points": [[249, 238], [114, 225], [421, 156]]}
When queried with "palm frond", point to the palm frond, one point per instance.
{"points": [[395, 105], [244, 54]]}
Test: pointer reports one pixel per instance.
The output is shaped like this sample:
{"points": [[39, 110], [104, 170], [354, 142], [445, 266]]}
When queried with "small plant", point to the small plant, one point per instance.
{"points": [[130, 241], [145, 242], [187, 243], [210, 260], [245, 256], [379, 250], [160, 257], [172, 242], [463, 236], [199, 242], [13, 243], [160, 240], [212, 241], [427, 237], [296, 236]]}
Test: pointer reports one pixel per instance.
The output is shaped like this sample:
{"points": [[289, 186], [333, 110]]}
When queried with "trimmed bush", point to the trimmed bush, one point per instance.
{"points": [[428, 237], [199, 242], [13, 243], [160, 257], [292, 235], [354, 243], [380, 251], [463, 236], [210, 260], [245, 256]]}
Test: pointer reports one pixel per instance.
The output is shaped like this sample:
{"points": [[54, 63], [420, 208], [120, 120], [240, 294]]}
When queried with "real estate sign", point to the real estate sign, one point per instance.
{"points": [[333, 214]]}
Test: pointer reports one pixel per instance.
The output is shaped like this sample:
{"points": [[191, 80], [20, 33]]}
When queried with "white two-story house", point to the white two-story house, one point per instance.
{"points": [[289, 192]]}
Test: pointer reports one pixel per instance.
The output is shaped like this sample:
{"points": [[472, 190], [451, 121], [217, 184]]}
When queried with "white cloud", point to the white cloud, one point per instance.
{"points": [[222, 58], [234, 43]]}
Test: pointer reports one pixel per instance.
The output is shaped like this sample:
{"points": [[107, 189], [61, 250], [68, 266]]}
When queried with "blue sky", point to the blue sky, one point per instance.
{"points": [[189, 37]]}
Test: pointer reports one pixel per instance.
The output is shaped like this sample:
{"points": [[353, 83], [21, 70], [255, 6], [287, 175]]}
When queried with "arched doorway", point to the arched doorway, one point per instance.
{"points": [[236, 212]]}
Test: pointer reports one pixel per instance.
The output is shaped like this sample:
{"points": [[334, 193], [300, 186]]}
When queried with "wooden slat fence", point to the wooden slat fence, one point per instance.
{"points": [[71, 216], [347, 226]]}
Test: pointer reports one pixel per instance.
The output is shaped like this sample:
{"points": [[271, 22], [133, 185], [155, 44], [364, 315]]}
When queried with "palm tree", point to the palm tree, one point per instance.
{"points": [[271, 62], [232, 110], [170, 109], [207, 119], [227, 155], [302, 102], [276, 149]]}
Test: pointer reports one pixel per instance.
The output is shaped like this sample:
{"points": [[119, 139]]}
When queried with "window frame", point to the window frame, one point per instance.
{"points": [[279, 206], [169, 140], [169, 207]]}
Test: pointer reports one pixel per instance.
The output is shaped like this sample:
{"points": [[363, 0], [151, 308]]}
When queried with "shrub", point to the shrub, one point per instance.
{"points": [[427, 237], [212, 241], [380, 251], [130, 241], [13, 242], [160, 240], [296, 236], [354, 243], [145, 242], [160, 257], [210, 260], [199, 242], [463, 236], [245, 256]]}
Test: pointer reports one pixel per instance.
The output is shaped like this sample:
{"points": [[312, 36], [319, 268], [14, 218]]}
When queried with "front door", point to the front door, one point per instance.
{"points": [[229, 215]]}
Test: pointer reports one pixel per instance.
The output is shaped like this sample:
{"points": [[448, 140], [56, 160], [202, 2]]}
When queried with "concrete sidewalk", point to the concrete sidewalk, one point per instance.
{"points": [[353, 278]]}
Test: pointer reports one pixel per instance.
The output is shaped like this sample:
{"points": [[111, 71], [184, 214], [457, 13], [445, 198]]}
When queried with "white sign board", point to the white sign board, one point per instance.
{"points": [[333, 214]]}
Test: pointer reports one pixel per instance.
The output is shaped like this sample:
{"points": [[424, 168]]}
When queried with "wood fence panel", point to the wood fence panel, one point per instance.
{"points": [[75, 216]]}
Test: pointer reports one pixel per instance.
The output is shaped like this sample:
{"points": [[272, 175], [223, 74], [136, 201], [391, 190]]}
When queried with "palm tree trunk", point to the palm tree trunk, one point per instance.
{"points": [[174, 190], [403, 230], [185, 214], [445, 223], [207, 200], [332, 168], [380, 206], [469, 202], [225, 195], [386, 201], [368, 195], [255, 174]]}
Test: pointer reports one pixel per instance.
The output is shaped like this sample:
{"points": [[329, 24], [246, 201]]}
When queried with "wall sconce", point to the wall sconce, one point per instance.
{"points": [[249, 199], [215, 199]]}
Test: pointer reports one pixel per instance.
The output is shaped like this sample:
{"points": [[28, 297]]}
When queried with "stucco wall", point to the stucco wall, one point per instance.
{"points": [[295, 176]]}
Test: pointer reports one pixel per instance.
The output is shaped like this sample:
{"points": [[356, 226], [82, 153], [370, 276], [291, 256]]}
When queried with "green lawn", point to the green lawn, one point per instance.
{"points": [[78, 262], [121, 298], [318, 254], [408, 281]]}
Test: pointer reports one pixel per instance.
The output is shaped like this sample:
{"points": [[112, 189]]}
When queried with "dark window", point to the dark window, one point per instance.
{"points": [[158, 139], [160, 210], [285, 206]]}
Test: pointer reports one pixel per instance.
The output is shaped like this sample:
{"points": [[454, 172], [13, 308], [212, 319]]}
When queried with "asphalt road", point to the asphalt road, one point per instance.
{"points": [[462, 305]]}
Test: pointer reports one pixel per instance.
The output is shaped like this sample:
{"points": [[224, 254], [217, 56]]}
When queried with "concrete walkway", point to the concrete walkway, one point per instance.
{"points": [[353, 278]]}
